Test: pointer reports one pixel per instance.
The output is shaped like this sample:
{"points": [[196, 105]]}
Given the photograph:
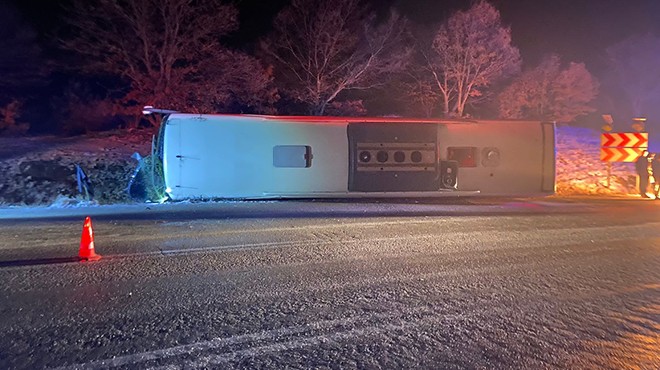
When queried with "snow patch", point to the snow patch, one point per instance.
{"points": [[580, 170]]}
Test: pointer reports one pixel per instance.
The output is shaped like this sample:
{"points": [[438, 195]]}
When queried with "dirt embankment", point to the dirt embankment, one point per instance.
{"points": [[42, 170]]}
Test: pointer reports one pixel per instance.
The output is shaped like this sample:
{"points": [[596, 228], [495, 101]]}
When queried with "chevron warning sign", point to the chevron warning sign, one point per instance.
{"points": [[625, 139], [623, 146], [620, 154]]}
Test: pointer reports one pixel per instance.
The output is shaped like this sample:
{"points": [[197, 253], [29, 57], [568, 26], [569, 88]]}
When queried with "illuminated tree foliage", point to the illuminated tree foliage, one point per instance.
{"points": [[322, 48], [169, 52], [420, 95], [636, 63], [470, 52], [418, 90], [549, 92]]}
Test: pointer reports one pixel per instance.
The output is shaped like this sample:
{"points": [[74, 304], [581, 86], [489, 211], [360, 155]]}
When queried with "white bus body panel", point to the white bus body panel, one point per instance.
{"points": [[232, 156], [526, 156]]}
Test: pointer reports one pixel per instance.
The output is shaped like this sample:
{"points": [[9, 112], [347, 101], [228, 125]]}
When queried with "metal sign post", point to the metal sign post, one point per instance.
{"points": [[607, 127]]}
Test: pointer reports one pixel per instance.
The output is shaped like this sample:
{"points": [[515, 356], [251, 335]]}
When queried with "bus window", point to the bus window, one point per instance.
{"points": [[297, 156]]}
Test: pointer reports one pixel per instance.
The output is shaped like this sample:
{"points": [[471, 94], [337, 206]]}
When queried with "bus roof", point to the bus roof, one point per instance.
{"points": [[344, 119]]}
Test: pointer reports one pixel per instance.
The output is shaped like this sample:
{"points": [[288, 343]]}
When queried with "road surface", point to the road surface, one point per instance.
{"points": [[519, 283]]}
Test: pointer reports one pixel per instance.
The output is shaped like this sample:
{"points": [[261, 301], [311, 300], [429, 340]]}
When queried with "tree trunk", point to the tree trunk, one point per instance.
{"points": [[445, 108], [460, 107], [318, 109]]}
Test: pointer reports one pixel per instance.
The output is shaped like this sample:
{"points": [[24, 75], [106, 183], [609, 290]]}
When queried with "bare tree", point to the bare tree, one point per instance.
{"points": [[470, 51], [573, 91], [636, 63], [325, 47], [549, 92], [352, 108], [241, 84], [419, 92], [165, 50]]}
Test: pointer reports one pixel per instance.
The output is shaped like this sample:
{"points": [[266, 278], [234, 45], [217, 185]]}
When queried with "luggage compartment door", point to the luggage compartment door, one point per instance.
{"points": [[393, 157]]}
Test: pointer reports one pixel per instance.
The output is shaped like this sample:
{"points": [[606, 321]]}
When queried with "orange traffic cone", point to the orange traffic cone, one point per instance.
{"points": [[86, 252]]}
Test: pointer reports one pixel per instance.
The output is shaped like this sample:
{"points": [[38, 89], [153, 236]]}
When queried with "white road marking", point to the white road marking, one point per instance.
{"points": [[271, 336], [225, 358]]}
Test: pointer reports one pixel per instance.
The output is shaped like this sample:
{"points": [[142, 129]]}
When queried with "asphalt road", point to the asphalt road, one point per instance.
{"points": [[526, 283]]}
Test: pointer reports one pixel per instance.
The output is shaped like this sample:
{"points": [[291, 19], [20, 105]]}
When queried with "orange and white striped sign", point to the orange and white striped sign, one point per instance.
{"points": [[620, 154], [625, 139], [623, 146]]}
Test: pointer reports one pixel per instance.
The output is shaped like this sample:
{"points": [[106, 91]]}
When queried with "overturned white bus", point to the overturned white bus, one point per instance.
{"points": [[257, 157]]}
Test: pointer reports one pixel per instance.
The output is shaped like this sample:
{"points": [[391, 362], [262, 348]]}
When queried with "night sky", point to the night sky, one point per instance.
{"points": [[577, 30]]}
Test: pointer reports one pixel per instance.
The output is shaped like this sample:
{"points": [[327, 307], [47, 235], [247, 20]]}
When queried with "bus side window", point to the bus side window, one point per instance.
{"points": [[295, 156], [466, 156]]}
